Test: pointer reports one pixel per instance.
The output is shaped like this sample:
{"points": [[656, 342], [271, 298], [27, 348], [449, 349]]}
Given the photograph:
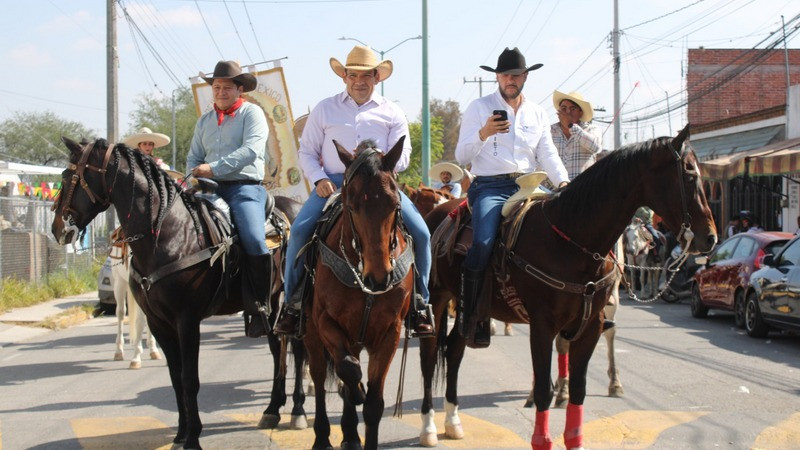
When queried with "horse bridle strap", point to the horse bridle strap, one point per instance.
{"points": [[210, 253], [347, 274], [78, 177]]}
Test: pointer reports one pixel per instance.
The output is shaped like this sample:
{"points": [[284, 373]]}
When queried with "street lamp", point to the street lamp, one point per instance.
{"points": [[382, 52]]}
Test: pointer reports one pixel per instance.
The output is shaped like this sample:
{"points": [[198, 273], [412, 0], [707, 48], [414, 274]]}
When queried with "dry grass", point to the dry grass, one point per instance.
{"points": [[16, 294]]}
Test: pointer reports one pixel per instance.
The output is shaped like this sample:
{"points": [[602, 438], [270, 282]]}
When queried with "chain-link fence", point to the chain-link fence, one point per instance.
{"points": [[28, 250]]}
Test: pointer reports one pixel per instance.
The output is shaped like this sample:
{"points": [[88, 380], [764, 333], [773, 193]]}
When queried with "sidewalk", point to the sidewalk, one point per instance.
{"points": [[13, 327]]}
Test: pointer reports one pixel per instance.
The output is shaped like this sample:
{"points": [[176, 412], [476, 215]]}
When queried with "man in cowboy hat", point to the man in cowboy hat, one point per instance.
{"points": [[356, 114], [229, 146], [450, 175], [578, 141], [146, 142], [500, 150]]}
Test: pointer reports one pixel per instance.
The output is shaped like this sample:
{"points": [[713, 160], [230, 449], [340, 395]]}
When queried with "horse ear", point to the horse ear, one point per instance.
{"points": [[681, 138], [392, 156], [73, 146], [344, 155]]}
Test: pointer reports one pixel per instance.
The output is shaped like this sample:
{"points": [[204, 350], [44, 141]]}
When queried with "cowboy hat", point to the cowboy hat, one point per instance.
{"points": [[231, 70], [576, 98], [362, 57], [145, 135], [454, 170], [528, 188], [511, 62]]}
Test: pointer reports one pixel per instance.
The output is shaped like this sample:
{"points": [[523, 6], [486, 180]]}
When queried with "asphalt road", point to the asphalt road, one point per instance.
{"points": [[689, 383]]}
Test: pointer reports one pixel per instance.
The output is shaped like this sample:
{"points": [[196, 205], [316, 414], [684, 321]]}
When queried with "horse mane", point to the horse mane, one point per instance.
{"points": [[583, 193], [371, 166]]}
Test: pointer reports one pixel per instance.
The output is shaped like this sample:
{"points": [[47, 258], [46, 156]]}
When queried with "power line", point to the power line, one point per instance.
{"points": [[546, 21], [150, 46], [50, 100], [662, 16], [210, 34], [249, 20], [236, 29]]}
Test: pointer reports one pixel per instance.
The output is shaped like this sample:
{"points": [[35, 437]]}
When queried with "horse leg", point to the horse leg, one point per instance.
{"points": [[428, 355], [318, 368], [120, 294], [562, 382], [299, 420], [508, 330], [541, 354], [580, 352], [152, 344], [277, 398], [189, 341], [169, 344], [615, 385], [347, 365], [136, 329], [453, 356]]}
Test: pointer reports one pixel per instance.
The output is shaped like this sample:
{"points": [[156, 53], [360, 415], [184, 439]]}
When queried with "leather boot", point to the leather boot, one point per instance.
{"points": [[289, 320], [421, 318], [256, 283], [471, 287]]}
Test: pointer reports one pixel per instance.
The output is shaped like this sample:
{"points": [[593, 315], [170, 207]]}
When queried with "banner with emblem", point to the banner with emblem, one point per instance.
{"points": [[282, 174]]}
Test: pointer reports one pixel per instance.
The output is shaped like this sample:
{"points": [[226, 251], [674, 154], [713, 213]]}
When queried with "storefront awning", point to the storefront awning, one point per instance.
{"points": [[735, 143], [779, 158], [27, 169]]}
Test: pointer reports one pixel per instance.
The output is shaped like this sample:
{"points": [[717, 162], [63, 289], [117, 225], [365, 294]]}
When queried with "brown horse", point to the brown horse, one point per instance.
{"points": [[362, 292], [165, 231], [558, 273], [426, 198]]}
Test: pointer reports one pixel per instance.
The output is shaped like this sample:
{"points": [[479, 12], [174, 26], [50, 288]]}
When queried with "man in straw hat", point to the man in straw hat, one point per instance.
{"points": [[578, 141], [450, 176], [146, 142], [500, 150], [352, 116], [229, 146]]}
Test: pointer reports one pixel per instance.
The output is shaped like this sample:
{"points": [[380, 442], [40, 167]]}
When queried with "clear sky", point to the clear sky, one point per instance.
{"points": [[54, 56]]}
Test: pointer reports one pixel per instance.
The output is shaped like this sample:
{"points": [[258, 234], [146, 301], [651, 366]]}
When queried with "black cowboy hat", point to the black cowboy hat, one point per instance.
{"points": [[511, 62], [231, 70]]}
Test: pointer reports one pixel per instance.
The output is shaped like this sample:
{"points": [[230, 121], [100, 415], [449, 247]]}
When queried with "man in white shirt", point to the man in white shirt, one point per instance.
{"points": [[500, 150], [350, 117]]}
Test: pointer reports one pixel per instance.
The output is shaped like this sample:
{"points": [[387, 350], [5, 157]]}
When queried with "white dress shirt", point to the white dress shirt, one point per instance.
{"points": [[340, 118], [528, 138]]}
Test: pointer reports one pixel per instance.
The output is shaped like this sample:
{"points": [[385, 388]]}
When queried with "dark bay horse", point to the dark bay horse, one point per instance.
{"points": [[362, 292], [559, 275], [165, 231]]}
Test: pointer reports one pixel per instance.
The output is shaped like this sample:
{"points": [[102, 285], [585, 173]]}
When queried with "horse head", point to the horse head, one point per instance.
{"points": [[635, 240], [371, 205], [84, 193]]}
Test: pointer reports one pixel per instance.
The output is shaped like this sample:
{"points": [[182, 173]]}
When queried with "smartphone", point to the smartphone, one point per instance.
{"points": [[502, 113]]}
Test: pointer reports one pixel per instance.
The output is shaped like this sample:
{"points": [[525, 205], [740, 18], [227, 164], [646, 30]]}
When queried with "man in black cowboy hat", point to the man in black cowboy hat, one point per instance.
{"points": [[502, 135], [229, 146]]}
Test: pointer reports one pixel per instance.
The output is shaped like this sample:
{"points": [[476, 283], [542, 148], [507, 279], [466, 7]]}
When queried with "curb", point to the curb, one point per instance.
{"points": [[21, 324]]}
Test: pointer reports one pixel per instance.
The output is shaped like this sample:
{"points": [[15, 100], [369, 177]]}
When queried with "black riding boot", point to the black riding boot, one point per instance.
{"points": [[421, 318], [256, 283], [289, 320], [471, 287]]}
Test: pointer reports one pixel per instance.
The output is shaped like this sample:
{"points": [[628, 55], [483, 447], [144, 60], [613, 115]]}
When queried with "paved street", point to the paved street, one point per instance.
{"points": [[688, 383]]}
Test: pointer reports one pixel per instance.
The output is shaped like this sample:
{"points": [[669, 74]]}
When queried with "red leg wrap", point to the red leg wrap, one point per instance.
{"points": [[573, 429], [541, 432], [563, 366]]}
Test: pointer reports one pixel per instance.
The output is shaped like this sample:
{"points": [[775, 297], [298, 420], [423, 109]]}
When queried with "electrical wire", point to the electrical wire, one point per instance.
{"points": [[236, 29], [210, 34], [541, 28], [150, 46], [255, 36], [661, 16]]}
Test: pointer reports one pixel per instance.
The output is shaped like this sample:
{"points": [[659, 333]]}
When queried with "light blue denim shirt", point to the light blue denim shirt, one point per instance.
{"points": [[235, 150]]}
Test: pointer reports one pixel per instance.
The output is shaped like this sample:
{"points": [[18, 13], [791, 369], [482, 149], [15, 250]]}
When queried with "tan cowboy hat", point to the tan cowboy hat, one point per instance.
{"points": [[454, 170], [528, 188], [231, 70], [145, 135], [576, 98], [362, 57]]}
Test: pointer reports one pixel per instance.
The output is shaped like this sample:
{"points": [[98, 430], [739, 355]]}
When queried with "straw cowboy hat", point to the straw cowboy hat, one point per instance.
{"points": [[511, 62], [454, 170], [231, 70], [362, 57], [145, 135], [528, 188], [576, 98]]}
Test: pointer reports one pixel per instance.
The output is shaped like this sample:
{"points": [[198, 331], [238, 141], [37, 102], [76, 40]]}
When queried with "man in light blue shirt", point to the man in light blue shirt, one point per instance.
{"points": [[229, 146], [450, 176]]}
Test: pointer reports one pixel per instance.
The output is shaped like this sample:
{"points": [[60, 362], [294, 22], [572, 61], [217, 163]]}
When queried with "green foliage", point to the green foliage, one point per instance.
{"points": [[449, 111], [156, 114], [412, 176], [15, 293], [35, 138]]}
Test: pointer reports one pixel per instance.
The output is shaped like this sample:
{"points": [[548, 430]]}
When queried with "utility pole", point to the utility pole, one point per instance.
{"points": [[174, 136], [669, 116], [615, 44], [786, 61], [112, 106], [426, 107], [480, 82]]}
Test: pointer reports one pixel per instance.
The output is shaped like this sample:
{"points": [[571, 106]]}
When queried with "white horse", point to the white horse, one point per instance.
{"points": [[137, 323], [639, 252]]}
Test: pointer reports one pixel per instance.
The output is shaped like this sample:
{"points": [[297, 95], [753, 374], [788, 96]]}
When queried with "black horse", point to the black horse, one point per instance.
{"points": [[184, 277]]}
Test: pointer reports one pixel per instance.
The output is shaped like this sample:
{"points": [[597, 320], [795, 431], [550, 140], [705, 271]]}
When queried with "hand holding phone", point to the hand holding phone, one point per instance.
{"points": [[502, 113]]}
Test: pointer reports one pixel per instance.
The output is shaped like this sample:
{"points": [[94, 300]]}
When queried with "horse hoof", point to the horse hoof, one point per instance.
{"points": [[493, 328], [298, 422], [135, 365], [453, 431], [346, 445], [428, 440], [155, 355], [560, 403], [528, 403], [269, 421], [616, 391], [509, 331], [118, 357]]}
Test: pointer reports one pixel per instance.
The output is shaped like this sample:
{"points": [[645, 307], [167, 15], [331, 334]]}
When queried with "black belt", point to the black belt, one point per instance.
{"points": [[237, 182], [502, 176]]}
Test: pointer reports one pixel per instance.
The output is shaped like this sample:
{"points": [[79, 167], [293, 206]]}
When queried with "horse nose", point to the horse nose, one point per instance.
{"points": [[712, 241], [372, 283]]}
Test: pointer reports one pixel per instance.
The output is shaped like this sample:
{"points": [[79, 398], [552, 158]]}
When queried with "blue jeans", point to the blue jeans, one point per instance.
{"points": [[247, 203], [486, 197], [303, 228]]}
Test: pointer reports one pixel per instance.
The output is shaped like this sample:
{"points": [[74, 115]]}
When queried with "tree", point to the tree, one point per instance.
{"points": [[35, 138], [156, 114], [412, 176], [449, 111]]}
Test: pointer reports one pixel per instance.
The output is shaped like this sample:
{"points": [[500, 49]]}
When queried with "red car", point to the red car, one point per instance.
{"points": [[722, 281]]}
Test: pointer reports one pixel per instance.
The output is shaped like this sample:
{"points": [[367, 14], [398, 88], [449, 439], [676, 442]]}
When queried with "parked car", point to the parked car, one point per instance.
{"points": [[722, 281], [104, 288], [773, 297]]}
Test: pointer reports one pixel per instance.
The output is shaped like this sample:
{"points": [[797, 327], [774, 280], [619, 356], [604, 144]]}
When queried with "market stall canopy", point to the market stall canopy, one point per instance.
{"points": [[10, 168], [779, 158]]}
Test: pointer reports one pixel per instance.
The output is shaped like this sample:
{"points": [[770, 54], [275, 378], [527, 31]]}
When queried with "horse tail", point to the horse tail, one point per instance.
{"points": [[440, 372]]}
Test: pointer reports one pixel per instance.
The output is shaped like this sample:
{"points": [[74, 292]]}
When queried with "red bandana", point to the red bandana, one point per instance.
{"points": [[228, 112]]}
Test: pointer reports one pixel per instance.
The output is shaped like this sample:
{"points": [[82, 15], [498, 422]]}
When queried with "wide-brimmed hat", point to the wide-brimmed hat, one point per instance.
{"points": [[362, 57], [528, 188], [454, 170], [576, 98], [511, 62], [231, 70], [145, 135]]}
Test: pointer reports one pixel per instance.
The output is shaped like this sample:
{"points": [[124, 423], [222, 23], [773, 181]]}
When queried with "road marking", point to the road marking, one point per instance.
{"points": [[783, 435], [1, 435], [284, 437], [632, 429], [478, 433], [122, 433]]}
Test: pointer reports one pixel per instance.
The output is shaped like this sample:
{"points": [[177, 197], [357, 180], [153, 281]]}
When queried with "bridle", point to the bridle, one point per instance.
{"points": [[78, 177]]}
